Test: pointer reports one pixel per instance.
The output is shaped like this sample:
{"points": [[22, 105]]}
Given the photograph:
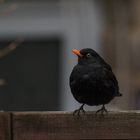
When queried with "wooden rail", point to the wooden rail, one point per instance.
{"points": [[63, 125]]}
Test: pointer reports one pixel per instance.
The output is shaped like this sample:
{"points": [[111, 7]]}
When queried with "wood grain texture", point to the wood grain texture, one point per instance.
{"points": [[5, 126], [62, 125]]}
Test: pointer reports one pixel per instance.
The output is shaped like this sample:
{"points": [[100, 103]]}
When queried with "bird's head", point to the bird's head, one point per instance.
{"points": [[86, 56]]}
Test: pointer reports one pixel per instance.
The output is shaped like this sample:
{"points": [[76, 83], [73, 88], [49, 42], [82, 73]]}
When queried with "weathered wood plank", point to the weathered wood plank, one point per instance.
{"points": [[5, 126], [62, 125]]}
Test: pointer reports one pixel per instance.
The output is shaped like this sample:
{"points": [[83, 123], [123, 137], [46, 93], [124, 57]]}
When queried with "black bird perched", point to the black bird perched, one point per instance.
{"points": [[92, 81]]}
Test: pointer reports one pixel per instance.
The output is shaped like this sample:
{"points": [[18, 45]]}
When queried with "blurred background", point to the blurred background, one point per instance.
{"points": [[36, 38]]}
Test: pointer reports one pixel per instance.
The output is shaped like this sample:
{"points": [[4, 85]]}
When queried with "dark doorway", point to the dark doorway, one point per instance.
{"points": [[31, 74]]}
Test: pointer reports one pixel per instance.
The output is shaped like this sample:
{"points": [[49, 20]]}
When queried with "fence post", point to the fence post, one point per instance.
{"points": [[5, 126]]}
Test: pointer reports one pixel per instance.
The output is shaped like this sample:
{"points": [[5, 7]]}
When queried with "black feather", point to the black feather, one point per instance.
{"points": [[92, 81]]}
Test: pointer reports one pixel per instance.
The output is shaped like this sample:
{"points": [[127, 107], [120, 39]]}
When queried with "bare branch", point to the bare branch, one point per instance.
{"points": [[8, 10], [12, 46], [1, 1]]}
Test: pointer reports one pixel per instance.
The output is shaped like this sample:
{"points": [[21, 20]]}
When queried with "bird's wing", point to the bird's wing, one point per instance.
{"points": [[111, 80], [111, 76]]}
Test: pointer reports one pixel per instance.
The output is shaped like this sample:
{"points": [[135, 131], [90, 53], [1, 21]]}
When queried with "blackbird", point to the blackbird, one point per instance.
{"points": [[92, 81]]}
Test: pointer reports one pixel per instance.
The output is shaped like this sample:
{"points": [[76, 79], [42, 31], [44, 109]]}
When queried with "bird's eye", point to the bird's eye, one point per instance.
{"points": [[88, 55]]}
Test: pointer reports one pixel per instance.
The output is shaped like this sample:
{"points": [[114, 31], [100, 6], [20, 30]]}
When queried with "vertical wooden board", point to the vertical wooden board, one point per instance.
{"points": [[61, 125], [5, 126]]}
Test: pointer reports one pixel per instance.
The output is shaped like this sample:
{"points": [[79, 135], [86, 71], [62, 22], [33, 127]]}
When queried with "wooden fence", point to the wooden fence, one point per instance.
{"points": [[63, 125]]}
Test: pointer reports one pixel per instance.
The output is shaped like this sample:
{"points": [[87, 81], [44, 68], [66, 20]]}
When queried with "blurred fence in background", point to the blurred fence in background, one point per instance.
{"points": [[121, 47]]}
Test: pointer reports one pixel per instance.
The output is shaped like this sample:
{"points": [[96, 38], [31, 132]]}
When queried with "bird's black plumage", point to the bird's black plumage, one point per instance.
{"points": [[92, 81]]}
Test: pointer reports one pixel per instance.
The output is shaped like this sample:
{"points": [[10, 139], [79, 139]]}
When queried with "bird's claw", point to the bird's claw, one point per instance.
{"points": [[102, 110], [79, 111]]}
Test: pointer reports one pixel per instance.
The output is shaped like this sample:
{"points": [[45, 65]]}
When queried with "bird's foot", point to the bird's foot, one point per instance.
{"points": [[102, 110], [79, 111]]}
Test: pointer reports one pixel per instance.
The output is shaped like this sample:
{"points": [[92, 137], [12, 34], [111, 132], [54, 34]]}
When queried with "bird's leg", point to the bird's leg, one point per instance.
{"points": [[102, 110], [78, 111]]}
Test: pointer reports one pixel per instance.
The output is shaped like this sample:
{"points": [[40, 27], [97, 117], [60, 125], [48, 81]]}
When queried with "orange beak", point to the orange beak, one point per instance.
{"points": [[77, 52]]}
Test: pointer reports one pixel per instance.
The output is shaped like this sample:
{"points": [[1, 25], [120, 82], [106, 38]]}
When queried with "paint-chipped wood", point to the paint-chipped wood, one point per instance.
{"points": [[62, 125]]}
